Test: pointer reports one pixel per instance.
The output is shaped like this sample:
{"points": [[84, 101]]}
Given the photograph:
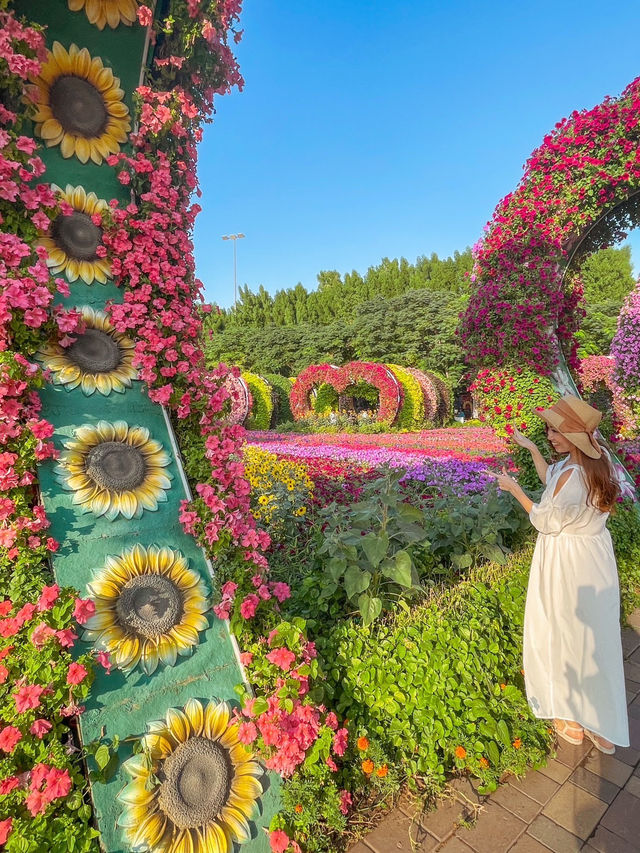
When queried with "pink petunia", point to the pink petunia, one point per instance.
{"points": [[247, 732], [28, 697], [246, 658], [48, 597], [279, 841], [66, 636], [282, 658], [83, 610], [249, 606], [39, 728], [76, 674], [10, 736], [340, 740], [345, 801], [5, 829], [9, 784], [104, 660]]}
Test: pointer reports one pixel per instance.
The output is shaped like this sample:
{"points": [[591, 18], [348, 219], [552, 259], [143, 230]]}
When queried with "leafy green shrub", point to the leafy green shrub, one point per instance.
{"points": [[325, 400], [280, 387], [412, 414], [370, 549], [262, 409], [441, 687]]}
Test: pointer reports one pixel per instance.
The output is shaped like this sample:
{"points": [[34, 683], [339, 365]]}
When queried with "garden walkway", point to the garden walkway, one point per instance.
{"points": [[581, 800]]}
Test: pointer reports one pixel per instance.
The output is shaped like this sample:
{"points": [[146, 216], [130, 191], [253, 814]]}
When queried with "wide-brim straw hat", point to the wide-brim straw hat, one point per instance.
{"points": [[576, 420]]}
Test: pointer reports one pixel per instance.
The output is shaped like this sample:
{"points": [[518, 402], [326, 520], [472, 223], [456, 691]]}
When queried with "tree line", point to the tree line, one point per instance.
{"points": [[397, 312]]}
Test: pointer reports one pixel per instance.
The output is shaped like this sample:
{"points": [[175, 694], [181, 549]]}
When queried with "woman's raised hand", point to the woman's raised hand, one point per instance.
{"points": [[523, 441]]}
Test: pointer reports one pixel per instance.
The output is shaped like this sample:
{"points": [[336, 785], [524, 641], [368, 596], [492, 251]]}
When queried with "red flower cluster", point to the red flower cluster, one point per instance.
{"points": [[519, 308]]}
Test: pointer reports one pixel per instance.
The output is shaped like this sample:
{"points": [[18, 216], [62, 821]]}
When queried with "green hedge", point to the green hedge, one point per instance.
{"points": [[448, 674], [281, 388], [412, 414], [326, 400], [262, 408], [429, 682]]}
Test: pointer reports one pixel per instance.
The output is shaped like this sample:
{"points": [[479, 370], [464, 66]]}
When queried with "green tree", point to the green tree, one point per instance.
{"points": [[607, 275]]}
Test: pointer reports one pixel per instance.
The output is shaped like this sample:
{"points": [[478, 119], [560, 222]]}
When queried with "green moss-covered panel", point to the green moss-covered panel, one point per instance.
{"points": [[122, 705], [121, 50]]}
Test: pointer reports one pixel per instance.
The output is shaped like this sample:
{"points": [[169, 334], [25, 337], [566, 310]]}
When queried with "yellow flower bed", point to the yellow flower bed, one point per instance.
{"points": [[279, 488]]}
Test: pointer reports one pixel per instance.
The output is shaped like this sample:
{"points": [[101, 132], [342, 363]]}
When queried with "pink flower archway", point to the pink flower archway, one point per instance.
{"points": [[580, 192], [597, 370], [341, 378]]}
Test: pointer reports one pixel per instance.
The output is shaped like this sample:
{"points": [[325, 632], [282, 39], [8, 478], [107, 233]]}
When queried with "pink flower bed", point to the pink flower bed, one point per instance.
{"points": [[472, 443]]}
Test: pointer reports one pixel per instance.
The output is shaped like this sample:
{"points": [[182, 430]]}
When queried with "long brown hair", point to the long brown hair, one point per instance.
{"points": [[602, 483]]}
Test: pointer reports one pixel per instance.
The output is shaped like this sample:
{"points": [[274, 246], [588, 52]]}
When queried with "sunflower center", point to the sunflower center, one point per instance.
{"points": [[77, 236], [149, 605], [196, 780], [95, 352], [78, 106], [117, 466]]}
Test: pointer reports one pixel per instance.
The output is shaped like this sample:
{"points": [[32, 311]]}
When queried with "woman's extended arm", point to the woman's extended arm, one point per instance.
{"points": [[508, 484], [538, 459]]}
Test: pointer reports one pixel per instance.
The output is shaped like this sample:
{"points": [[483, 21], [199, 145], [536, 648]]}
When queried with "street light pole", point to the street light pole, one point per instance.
{"points": [[234, 237]]}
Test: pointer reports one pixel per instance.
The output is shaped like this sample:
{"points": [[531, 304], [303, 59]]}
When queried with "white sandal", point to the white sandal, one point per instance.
{"points": [[597, 741], [562, 728]]}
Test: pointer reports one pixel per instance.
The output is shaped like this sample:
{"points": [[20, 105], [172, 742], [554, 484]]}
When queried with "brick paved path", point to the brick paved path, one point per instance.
{"points": [[581, 800]]}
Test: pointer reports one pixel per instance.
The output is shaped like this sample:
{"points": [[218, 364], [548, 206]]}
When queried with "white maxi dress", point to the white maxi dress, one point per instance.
{"points": [[572, 653]]}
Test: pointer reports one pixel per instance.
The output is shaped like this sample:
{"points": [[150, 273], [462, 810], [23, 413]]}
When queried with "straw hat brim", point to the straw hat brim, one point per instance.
{"points": [[579, 439]]}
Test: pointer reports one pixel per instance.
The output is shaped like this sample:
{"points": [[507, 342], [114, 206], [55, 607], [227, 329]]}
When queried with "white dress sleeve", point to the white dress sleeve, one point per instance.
{"points": [[555, 512]]}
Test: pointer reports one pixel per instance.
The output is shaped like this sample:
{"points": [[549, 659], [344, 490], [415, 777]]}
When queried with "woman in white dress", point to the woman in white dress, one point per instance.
{"points": [[572, 651]]}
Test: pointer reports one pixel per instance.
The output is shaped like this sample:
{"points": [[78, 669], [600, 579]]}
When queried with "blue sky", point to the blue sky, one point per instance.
{"points": [[370, 129]]}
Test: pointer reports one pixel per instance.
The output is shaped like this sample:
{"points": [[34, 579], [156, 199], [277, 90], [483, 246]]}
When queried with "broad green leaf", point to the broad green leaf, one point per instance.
{"points": [[494, 755], [356, 581], [375, 547], [336, 567], [370, 608], [503, 733], [102, 756]]}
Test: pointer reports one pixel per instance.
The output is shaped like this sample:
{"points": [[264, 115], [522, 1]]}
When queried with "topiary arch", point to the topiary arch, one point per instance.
{"points": [[341, 378], [579, 193]]}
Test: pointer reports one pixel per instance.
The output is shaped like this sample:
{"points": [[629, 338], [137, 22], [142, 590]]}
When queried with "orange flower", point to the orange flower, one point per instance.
{"points": [[461, 752], [382, 771], [522, 672], [484, 762], [367, 766], [502, 686], [363, 743], [298, 808], [517, 743]]}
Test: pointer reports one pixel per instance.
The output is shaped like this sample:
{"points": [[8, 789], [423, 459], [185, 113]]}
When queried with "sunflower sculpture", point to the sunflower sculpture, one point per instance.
{"points": [[114, 469], [194, 786], [100, 359], [73, 238], [149, 608], [111, 12], [79, 105]]}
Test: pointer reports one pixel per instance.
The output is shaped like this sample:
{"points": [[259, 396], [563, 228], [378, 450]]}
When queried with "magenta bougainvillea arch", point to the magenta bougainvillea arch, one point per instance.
{"points": [[341, 378], [578, 193]]}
